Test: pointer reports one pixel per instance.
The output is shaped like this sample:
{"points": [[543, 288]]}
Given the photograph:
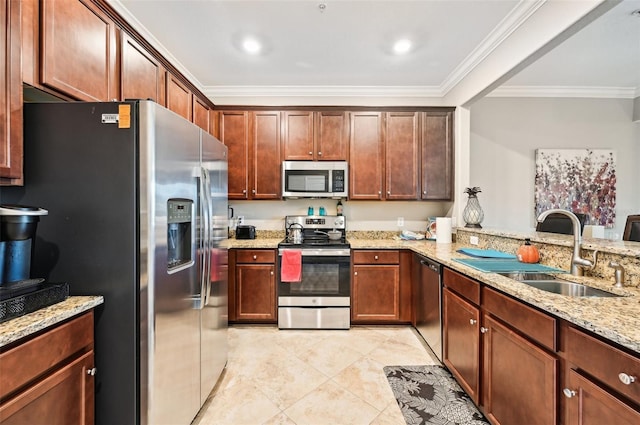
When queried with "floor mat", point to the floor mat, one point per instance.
{"points": [[430, 395]]}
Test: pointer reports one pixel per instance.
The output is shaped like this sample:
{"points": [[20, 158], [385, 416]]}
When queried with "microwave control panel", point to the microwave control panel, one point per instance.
{"points": [[337, 180]]}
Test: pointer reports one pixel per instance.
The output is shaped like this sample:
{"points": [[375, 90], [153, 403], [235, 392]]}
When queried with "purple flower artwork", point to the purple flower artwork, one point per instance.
{"points": [[578, 180]]}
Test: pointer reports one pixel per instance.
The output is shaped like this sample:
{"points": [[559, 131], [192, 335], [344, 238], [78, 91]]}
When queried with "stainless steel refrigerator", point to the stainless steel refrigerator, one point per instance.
{"points": [[137, 200]]}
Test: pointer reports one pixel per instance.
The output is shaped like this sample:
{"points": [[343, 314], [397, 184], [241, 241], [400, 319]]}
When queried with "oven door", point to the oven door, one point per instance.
{"points": [[325, 280]]}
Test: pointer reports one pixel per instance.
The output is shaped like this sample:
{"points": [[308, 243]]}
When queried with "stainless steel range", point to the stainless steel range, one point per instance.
{"points": [[321, 298]]}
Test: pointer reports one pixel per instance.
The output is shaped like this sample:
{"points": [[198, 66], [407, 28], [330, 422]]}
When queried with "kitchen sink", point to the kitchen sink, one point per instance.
{"points": [[550, 283]]}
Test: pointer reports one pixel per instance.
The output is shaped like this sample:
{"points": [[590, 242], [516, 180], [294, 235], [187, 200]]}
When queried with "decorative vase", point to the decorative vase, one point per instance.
{"points": [[472, 213]]}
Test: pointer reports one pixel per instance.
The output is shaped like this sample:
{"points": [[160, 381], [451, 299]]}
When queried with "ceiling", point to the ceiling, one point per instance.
{"points": [[333, 44]]}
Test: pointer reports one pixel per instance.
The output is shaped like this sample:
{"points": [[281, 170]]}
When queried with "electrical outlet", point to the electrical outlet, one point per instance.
{"points": [[240, 219], [400, 221], [473, 240]]}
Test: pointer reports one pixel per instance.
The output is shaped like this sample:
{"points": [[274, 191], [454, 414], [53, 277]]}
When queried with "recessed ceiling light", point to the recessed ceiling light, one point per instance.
{"points": [[402, 46], [251, 45]]}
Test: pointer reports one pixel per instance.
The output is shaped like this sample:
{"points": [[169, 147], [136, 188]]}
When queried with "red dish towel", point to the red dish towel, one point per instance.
{"points": [[291, 266]]}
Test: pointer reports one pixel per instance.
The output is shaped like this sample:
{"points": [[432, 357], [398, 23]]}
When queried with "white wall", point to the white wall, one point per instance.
{"points": [[361, 215], [505, 132]]}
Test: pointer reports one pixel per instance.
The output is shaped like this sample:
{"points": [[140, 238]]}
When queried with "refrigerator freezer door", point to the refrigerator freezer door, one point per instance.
{"points": [[169, 154], [214, 311]]}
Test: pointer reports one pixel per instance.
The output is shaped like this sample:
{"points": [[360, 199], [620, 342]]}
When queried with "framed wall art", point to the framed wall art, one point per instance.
{"points": [[578, 180]]}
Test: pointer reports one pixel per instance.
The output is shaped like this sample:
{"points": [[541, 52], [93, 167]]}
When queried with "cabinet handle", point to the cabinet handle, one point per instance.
{"points": [[569, 393], [310, 153], [255, 257], [388, 192], [375, 257], [484, 330], [92, 371], [244, 190], [355, 273], [424, 192], [271, 272], [626, 379], [253, 191], [473, 321], [319, 153]]}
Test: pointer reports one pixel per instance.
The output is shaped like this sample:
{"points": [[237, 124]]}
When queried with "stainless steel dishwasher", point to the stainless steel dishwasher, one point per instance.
{"points": [[428, 306]]}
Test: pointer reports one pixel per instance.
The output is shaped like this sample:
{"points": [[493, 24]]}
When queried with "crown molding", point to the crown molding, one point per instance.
{"points": [[566, 91], [324, 91]]}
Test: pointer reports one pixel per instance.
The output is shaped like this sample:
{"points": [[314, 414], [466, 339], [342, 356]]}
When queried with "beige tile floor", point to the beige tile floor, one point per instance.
{"points": [[312, 377]]}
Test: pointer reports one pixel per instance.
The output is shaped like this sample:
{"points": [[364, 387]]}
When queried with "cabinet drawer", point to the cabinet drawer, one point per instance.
{"points": [[29, 360], [376, 257], [533, 323], [468, 288], [256, 256], [603, 362]]}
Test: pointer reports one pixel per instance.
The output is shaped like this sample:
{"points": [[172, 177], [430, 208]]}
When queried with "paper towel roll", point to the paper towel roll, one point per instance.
{"points": [[443, 229]]}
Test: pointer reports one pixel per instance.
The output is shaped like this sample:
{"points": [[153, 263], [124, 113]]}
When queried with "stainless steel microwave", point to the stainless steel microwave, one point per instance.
{"points": [[315, 179]]}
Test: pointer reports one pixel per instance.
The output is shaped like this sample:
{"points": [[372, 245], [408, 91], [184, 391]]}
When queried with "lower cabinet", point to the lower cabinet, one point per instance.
{"points": [[381, 286], [252, 287], [50, 377]]}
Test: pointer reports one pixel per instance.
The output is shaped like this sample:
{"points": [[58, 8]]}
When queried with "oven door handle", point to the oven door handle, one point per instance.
{"points": [[327, 252]]}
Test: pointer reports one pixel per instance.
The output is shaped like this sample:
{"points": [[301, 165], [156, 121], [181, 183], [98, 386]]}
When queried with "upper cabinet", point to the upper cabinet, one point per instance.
{"points": [[315, 135], [201, 114], [436, 156], [141, 74], [178, 97], [78, 50], [402, 145], [264, 153], [234, 133], [10, 94], [366, 150]]}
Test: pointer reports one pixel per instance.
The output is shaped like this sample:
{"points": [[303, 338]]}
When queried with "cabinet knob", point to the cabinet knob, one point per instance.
{"points": [[375, 257], [379, 192], [310, 153], [473, 321], [92, 371], [484, 330], [424, 192], [271, 272], [626, 379], [388, 192], [355, 273], [319, 153], [568, 393], [253, 191], [244, 191], [255, 257]]}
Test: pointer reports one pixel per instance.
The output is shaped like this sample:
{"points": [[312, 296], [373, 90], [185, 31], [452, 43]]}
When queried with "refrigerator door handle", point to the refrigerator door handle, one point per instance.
{"points": [[209, 201], [204, 235]]}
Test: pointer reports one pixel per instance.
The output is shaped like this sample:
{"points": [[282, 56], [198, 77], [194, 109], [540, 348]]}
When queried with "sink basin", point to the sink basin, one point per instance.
{"points": [[550, 283]]}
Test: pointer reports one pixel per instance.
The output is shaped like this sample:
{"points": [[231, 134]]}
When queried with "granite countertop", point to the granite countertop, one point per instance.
{"points": [[20, 327], [615, 318]]}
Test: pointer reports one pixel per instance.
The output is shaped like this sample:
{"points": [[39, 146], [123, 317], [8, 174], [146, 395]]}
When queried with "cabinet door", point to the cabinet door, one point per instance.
{"points": [[64, 397], [437, 156], [200, 114], [589, 404], [141, 75], [11, 142], [401, 155], [265, 155], [366, 173], [255, 292], [234, 133], [79, 50], [178, 97], [519, 378], [462, 342], [331, 134], [375, 293], [298, 135]]}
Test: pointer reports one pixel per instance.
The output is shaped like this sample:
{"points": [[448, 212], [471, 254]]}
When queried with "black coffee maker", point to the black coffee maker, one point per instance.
{"points": [[18, 225]]}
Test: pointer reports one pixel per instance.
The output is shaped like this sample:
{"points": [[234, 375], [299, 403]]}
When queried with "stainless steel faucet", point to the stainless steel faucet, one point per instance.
{"points": [[577, 263]]}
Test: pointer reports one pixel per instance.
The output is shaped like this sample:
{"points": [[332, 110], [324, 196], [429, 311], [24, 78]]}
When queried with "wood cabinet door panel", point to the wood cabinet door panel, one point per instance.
{"points": [[11, 143], [78, 50], [519, 378], [437, 156], [256, 292], [375, 293], [463, 285], [298, 135], [234, 133], [265, 155], [401, 155], [178, 97], [592, 405], [331, 133], [200, 114], [461, 342], [366, 173], [64, 397], [141, 74]]}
